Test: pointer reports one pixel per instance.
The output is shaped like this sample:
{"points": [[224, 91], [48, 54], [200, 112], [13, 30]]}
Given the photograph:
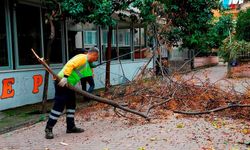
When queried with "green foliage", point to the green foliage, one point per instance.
{"points": [[145, 7], [218, 32], [188, 21], [93, 11], [191, 21], [243, 26], [174, 34], [232, 47], [102, 13], [72, 7]]}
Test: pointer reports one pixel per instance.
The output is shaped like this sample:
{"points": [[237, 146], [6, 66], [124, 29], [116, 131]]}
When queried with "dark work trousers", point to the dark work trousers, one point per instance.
{"points": [[91, 83], [63, 97]]}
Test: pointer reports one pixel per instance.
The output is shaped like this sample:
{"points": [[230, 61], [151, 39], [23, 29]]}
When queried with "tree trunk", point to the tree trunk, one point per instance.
{"points": [[46, 78], [108, 57]]}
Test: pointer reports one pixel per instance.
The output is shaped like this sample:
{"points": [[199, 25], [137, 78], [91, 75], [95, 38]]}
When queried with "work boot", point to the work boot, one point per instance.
{"points": [[49, 133], [75, 130]]}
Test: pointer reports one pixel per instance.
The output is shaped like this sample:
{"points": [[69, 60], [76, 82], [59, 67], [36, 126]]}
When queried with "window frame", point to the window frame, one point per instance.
{"points": [[63, 44], [8, 36], [15, 39], [93, 36]]}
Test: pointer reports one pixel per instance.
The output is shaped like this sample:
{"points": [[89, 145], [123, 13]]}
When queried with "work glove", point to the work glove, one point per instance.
{"points": [[63, 82]]}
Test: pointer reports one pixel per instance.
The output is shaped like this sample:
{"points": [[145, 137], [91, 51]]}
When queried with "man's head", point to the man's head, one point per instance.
{"points": [[93, 54]]}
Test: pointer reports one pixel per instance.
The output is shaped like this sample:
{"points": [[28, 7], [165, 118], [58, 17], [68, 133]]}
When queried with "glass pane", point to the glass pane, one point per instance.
{"points": [[56, 47], [113, 38], [78, 40], [141, 51], [121, 37], [74, 42], [124, 43], [3, 37], [105, 44], [104, 37], [28, 33], [127, 37], [90, 38], [94, 38]]}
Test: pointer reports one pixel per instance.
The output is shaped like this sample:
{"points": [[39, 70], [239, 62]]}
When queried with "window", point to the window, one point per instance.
{"points": [[75, 41], [28, 25], [105, 37], [90, 38], [124, 46], [120, 37], [124, 43], [137, 37], [3, 37], [127, 38], [105, 44], [141, 50], [78, 40], [56, 47]]}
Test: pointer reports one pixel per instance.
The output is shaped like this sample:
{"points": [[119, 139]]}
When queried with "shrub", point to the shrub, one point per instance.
{"points": [[243, 26]]}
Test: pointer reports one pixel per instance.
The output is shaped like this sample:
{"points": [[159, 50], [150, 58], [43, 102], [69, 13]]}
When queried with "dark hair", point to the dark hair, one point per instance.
{"points": [[93, 50]]}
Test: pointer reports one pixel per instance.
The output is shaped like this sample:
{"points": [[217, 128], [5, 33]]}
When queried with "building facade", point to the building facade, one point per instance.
{"points": [[22, 27]]}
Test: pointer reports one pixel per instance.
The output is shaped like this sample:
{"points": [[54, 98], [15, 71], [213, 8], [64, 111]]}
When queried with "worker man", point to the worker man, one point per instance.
{"points": [[76, 68], [87, 79]]}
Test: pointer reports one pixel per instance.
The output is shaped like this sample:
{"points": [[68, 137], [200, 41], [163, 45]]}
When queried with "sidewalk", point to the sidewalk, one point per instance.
{"points": [[107, 131], [217, 74]]}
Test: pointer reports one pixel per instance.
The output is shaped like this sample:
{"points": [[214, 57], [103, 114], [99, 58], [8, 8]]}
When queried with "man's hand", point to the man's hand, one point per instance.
{"points": [[63, 82]]}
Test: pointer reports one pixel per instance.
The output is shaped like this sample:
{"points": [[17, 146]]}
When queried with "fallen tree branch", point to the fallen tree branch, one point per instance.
{"points": [[212, 110], [158, 104], [143, 69], [86, 94]]}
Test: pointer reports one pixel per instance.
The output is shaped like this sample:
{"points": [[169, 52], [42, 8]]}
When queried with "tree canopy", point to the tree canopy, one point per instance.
{"points": [[91, 11], [243, 26], [189, 21]]}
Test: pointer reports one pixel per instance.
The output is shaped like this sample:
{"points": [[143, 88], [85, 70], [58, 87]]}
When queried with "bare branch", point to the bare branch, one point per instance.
{"points": [[212, 110]]}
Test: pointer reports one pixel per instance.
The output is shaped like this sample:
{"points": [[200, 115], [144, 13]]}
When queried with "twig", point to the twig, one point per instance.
{"points": [[158, 104], [212, 110], [143, 69], [161, 103]]}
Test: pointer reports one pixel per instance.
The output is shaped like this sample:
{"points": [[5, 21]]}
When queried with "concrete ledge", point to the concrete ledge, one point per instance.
{"points": [[205, 61]]}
